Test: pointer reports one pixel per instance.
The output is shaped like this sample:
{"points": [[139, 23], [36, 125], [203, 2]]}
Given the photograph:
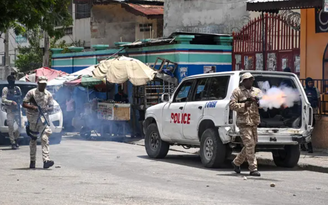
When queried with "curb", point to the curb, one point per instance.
{"points": [[265, 161]]}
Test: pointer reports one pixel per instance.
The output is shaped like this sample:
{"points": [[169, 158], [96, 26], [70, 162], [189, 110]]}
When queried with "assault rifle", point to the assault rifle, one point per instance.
{"points": [[41, 113], [256, 99]]}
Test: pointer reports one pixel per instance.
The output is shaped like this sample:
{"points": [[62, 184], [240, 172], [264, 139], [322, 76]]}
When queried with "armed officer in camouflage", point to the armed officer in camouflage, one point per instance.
{"points": [[11, 97], [37, 102], [244, 101]]}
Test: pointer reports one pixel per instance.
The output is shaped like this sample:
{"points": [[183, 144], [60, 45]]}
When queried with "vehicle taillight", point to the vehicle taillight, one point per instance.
{"points": [[230, 116], [310, 116]]}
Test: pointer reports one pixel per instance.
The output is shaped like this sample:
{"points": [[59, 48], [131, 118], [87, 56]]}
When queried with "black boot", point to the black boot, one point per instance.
{"points": [[13, 146], [255, 173], [32, 165], [236, 168], [47, 164], [17, 143], [310, 148], [303, 148]]}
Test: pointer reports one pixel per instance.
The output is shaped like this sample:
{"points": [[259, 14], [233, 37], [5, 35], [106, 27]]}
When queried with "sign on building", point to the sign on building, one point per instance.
{"points": [[20, 39], [321, 21], [325, 6]]}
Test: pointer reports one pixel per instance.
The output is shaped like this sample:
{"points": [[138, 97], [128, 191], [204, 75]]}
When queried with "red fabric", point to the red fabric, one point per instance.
{"points": [[45, 71]]}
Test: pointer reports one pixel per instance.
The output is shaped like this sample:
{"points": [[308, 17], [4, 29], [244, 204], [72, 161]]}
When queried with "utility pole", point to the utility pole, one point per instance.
{"points": [[46, 50], [7, 59]]}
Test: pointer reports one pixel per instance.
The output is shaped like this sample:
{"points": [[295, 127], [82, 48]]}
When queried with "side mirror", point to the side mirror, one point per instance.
{"points": [[165, 97]]}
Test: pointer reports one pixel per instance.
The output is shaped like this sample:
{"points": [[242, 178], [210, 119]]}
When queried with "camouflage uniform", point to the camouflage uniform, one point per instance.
{"points": [[13, 114], [37, 124], [247, 120]]}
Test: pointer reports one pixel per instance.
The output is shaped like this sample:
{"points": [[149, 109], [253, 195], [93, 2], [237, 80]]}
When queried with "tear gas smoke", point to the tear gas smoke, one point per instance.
{"points": [[275, 97]]}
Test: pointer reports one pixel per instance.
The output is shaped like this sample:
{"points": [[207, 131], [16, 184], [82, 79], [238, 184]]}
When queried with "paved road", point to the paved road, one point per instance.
{"points": [[97, 172]]}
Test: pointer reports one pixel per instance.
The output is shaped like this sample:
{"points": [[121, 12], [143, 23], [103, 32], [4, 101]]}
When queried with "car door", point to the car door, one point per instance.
{"points": [[217, 105], [194, 109], [173, 111]]}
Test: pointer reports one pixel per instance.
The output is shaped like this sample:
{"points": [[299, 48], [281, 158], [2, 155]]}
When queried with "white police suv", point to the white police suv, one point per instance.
{"points": [[198, 115]]}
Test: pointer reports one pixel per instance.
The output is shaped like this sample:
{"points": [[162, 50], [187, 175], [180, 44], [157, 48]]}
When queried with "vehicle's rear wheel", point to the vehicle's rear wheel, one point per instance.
{"points": [[155, 146], [212, 151], [288, 157]]}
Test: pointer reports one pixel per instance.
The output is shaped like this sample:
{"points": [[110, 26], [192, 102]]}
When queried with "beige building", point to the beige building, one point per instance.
{"points": [[125, 21]]}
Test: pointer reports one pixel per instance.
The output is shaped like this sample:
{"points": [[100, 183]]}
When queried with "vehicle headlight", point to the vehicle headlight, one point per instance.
{"points": [[56, 109]]}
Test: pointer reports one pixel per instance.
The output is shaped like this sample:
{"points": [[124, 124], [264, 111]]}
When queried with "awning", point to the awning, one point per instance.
{"points": [[150, 11], [85, 81], [275, 5], [44, 71]]}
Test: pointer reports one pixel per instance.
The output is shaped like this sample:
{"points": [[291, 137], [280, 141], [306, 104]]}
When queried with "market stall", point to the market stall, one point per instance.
{"points": [[117, 71]]}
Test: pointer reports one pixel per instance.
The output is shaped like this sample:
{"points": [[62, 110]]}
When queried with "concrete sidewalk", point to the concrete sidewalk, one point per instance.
{"points": [[318, 161]]}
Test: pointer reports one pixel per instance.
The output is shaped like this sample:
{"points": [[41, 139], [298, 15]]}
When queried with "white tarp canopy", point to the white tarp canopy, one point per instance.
{"points": [[121, 69], [61, 80], [86, 71]]}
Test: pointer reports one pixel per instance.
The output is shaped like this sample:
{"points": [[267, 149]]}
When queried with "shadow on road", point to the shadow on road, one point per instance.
{"points": [[27, 168], [100, 138], [7, 149], [194, 161]]}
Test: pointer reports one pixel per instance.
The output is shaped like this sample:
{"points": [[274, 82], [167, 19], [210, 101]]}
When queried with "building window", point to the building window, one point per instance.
{"points": [[145, 27], [82, 11], [68, 31]]}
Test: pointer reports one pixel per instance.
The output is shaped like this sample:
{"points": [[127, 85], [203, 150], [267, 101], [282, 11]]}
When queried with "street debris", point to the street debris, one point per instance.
{"points": [[17, 179], [272, 185], [207, 185], [58, 166], [118, 157], [245, 178]]}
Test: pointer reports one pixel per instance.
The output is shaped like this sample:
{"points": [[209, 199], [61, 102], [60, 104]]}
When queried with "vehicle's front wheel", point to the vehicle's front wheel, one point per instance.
{"points": [[288, 157], [155, 146], [56, 138], [212, 151]]}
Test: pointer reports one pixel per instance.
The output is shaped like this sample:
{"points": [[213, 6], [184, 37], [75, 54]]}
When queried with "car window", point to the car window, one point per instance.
{"points": [[217, 89], [201, 88], [183, 91]]}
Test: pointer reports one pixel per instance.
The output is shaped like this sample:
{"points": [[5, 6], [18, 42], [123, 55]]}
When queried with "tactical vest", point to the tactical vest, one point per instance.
{"points": [[14, 94]]}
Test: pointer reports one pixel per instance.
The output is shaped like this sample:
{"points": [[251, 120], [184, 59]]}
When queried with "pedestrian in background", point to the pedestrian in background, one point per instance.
{"points": [[11, 95], [313, 95], [70, 111], [39, 98], [243, 101]]}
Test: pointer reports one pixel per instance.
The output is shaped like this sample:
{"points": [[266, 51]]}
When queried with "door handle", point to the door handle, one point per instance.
{"points": [[200, 107], [180, 108]]}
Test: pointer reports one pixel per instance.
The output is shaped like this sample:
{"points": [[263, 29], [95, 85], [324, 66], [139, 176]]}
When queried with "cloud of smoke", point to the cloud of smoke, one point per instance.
{"points": [[275, 97]]}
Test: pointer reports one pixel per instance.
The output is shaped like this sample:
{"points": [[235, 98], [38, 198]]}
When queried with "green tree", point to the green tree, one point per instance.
{"points": [[23, 15], [30, 57]]}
